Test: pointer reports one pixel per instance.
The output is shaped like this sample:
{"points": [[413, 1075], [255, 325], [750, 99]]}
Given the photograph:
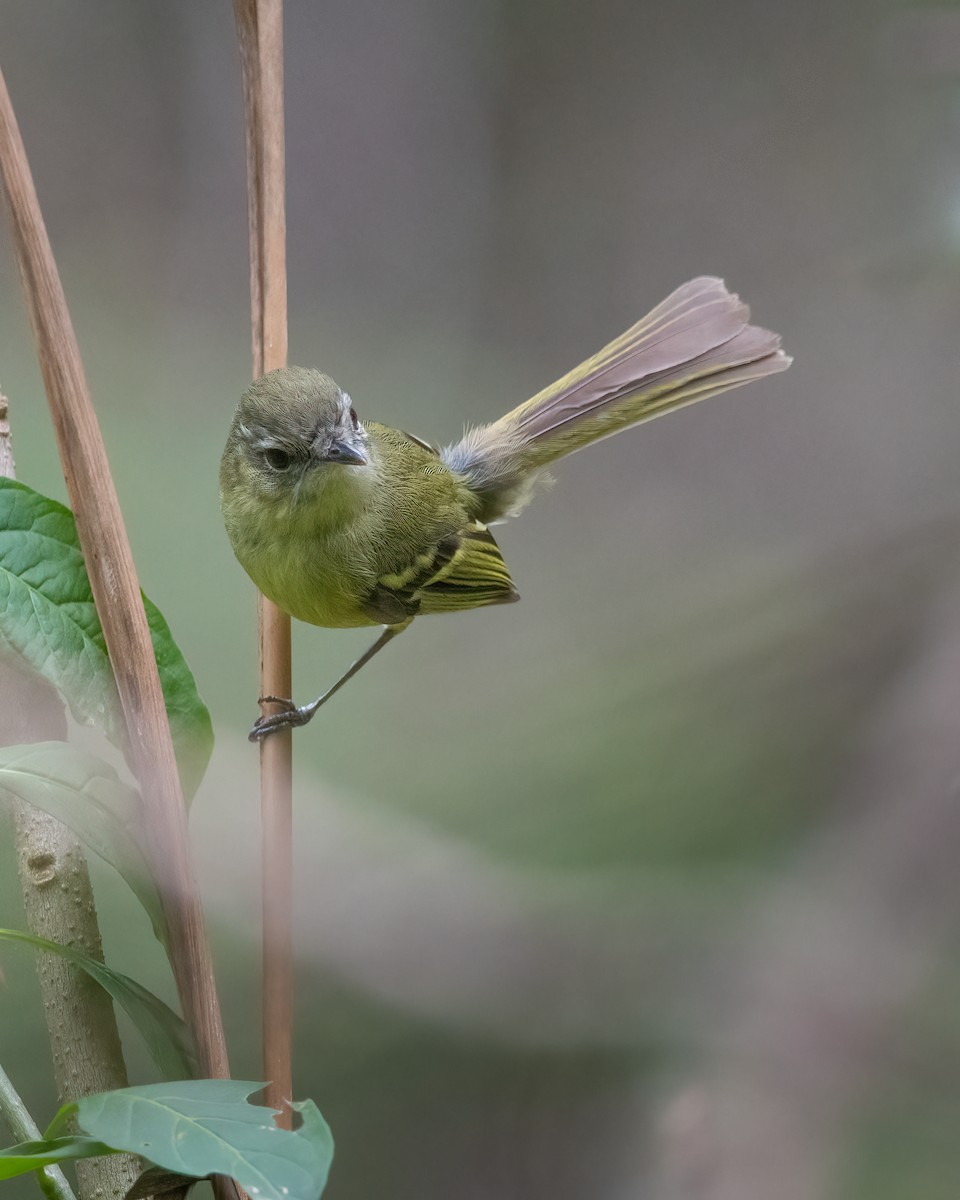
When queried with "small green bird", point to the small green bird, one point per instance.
{"points": [[343, 523]]}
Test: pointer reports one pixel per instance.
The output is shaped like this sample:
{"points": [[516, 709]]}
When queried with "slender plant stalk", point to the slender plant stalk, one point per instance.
{"points": [[260, 30], [58, 903], [113, 579], [52, 1181]]}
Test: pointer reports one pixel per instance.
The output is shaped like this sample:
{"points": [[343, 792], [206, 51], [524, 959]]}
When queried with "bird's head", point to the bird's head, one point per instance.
{"points": [[293, 434]]}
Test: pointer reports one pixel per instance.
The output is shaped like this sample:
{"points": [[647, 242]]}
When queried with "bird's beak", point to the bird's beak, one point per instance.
{"points": [[346, 453]]}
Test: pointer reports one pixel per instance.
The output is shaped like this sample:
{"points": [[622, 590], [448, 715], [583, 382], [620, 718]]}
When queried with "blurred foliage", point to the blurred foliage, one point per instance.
{"points": [[641, 760]]}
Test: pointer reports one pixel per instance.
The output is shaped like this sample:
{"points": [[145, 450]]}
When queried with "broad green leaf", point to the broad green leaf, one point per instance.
{"points": [[85, 794], [34, 1156], [205, 1126], [48, 618], [164, 1033]]}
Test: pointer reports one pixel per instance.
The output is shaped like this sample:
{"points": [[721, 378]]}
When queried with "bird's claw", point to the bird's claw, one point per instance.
{"points": [[289, 717]]}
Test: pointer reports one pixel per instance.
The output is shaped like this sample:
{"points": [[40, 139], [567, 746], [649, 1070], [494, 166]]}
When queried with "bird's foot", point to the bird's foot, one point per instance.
{"points": [[289, 717]]}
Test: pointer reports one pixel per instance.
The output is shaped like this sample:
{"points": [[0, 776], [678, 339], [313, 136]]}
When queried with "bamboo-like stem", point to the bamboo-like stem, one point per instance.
{"points": [[58, 903], [52, 1181], [260, 30], [113, 579]]}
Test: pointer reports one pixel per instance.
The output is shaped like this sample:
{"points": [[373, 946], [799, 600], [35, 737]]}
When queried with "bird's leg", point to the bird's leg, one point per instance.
{"points": [[293, 716]]}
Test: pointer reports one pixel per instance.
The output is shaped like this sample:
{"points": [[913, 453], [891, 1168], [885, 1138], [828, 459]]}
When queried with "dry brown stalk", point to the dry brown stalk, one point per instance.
{"points": [[116, 591], [260, 30]]}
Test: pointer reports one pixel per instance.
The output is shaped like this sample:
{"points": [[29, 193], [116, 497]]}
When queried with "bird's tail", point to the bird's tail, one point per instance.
{"points": [[694, 344]]}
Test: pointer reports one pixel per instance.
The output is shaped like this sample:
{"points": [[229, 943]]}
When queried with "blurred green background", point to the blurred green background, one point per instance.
{"points": [[646, 886]]}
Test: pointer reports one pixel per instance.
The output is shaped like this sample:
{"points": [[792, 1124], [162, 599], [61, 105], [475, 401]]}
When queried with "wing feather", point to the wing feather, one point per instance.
{"points": [[463, 571]]}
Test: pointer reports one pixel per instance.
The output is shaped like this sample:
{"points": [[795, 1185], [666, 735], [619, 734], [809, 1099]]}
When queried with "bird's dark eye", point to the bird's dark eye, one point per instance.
{"points": [[276, 459], [354, 418]]}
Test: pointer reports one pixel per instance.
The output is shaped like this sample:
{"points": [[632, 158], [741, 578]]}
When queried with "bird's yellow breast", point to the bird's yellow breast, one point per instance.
{"points": [[319, 551]]}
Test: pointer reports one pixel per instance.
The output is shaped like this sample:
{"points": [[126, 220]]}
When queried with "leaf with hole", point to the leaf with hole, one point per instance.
{"points": [[206, 1126], [164, 1033], [48, 618]]}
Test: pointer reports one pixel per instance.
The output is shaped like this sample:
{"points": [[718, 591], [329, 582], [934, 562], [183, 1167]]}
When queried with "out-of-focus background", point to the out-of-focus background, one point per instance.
{"points": [[647, 886]]}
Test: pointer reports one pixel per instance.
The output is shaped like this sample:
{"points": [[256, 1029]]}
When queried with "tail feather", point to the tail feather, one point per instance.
{"points": [[694, 344]]}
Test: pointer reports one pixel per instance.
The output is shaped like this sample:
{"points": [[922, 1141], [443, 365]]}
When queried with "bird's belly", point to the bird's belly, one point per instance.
{"points": [[316, 583]]}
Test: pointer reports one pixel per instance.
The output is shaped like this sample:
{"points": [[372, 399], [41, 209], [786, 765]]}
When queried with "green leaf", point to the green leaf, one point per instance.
{"points": [[34, 1156], [48, 618], [190, 724], [203, 1127], [166, 1036], [85, 794]]}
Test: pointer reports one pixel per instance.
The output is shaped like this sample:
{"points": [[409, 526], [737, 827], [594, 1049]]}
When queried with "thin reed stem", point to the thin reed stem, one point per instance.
{"points": [[53, 1183], [117, 594], [260, 30]]}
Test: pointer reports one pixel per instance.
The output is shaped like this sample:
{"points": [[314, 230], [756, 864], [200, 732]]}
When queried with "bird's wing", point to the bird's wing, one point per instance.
{"points": [[465, 570], [475, 575]]}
